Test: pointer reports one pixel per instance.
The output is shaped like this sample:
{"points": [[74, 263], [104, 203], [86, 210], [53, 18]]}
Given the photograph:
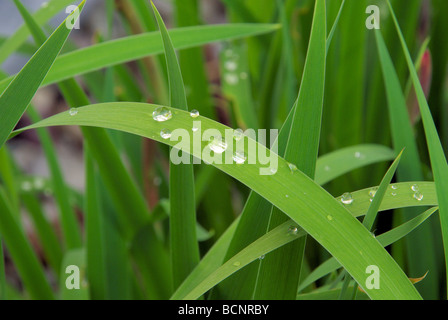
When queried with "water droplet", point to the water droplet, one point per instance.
{"points": [[27, 186], [293, 230], [218, 145], [418, 196], [347, 198], [327, 168], [230, 65], [372, 192], [414, 187], [292, 167], [194, 113], [237, 263], [231, 78], [239, 157], [358, 155], [73, 112], [273, 170], [329, 217], [194, 129], [228, 53], [39, 183], [162, 114], [165, 134], [393, 187], [394, 194], [238, 134], [287, 196], [261, 257]]}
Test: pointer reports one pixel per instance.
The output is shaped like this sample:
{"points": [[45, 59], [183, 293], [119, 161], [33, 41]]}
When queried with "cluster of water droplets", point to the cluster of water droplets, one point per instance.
{"points": [[417, 194], [231, 76]]}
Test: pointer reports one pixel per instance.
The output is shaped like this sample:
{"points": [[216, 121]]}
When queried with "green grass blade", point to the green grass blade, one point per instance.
{"points": [[184, 244], [2, 273], [131, 48], [17, 96], [436, 153], [385, 239], [353, 249], [23, 256], [301, 150], [337, 163], [49, 241], [215, 256], [279, 236], [94, 233], [419, 261]]}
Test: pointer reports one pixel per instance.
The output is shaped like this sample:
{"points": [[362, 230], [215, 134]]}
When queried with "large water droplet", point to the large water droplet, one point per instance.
{"points": [[347, 198], [194, 113], [162, 114], [73, 112], [293, 230], [418, 196], [239, 157], [165, 133], [218, 145], [414, 187]]}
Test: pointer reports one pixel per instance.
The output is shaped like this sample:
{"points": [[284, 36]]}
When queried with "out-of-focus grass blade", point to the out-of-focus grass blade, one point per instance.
{"points": [[49, 241], [337, 163], [323, 217], [17, 96], [94, 233], [280, 271], [73, 273], [70, 226], [135, 47], [436, 153], [192, 61], [183, 241], [23, 256], [44, 14], [236, 85], [420, 258], [385, 239], [2, 272]]}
